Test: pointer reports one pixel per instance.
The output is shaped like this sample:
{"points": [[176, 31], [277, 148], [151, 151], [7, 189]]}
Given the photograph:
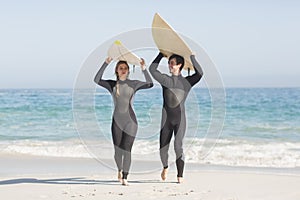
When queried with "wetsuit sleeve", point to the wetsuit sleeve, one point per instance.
{"points": [[144, 85], [195, 78], [163, 79], [108, 84]]}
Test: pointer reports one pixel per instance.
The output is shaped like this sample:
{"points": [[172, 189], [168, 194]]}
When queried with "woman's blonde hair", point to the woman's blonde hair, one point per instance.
{"points": [[117, 75]]}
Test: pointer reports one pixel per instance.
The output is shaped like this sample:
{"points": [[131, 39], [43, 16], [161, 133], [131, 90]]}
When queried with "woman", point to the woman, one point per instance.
{"points": [[124, 123]]}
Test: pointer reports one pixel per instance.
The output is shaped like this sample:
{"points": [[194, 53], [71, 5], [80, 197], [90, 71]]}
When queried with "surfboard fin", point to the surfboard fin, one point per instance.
{"points": [[118, 42]]}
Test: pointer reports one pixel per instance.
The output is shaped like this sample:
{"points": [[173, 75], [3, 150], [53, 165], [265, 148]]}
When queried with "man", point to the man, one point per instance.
{"points": [[175, 91]]}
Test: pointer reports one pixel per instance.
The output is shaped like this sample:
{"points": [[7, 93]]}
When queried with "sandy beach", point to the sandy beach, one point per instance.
{"points": [[237, 109], [31, 177]]}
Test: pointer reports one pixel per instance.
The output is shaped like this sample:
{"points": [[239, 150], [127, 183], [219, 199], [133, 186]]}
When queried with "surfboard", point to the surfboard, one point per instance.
{"points": [[118, 51], [169, 42]]}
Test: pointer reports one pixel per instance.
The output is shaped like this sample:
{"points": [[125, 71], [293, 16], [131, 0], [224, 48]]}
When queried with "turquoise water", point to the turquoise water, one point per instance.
{"points": [[254, 114], [257, 118], [36, 114], [272, 113]]}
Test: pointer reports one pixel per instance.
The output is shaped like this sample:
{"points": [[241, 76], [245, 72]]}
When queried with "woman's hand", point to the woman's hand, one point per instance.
{"points": [[142, 63], [108, 60]]}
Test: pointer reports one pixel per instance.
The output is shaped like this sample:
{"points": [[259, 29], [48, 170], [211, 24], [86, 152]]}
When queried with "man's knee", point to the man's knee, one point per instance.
{"points": [[178, 148]]}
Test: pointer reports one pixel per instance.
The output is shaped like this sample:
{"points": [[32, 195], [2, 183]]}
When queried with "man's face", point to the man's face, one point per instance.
{"points": [[173, 67]]}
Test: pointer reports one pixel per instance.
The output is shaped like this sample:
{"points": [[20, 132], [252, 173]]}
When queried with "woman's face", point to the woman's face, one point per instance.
{"points": [[122, 70]]}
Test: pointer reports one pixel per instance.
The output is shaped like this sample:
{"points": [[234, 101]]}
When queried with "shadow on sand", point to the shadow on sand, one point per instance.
{"points": [[73, 181]]}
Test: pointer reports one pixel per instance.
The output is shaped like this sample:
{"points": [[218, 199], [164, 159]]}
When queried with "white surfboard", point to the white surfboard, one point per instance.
{"points": [[169, 42], [118, 51]]}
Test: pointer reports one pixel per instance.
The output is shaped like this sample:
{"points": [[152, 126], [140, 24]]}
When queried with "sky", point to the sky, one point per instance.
{"points": [[43, 44]]}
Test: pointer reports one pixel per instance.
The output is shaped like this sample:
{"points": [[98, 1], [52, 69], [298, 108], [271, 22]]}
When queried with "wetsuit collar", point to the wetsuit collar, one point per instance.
{"points": [[179, 75], [122, 80]]}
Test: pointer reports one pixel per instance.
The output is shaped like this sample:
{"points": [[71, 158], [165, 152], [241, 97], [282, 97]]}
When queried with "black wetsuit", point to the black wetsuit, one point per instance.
{"points": [[124, 123], [175, 91]]}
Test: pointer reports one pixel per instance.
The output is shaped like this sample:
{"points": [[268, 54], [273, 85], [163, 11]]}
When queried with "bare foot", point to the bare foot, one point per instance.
{"points": [[120, 176], [179, 180], [125, 182], [164, 174]]}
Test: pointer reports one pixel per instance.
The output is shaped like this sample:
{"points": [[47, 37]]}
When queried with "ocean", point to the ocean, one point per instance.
{"points": [[261, 126]]}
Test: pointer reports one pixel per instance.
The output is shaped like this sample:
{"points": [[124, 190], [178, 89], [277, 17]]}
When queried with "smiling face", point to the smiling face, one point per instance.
{"points": [[122, 70], [173, 67]]}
